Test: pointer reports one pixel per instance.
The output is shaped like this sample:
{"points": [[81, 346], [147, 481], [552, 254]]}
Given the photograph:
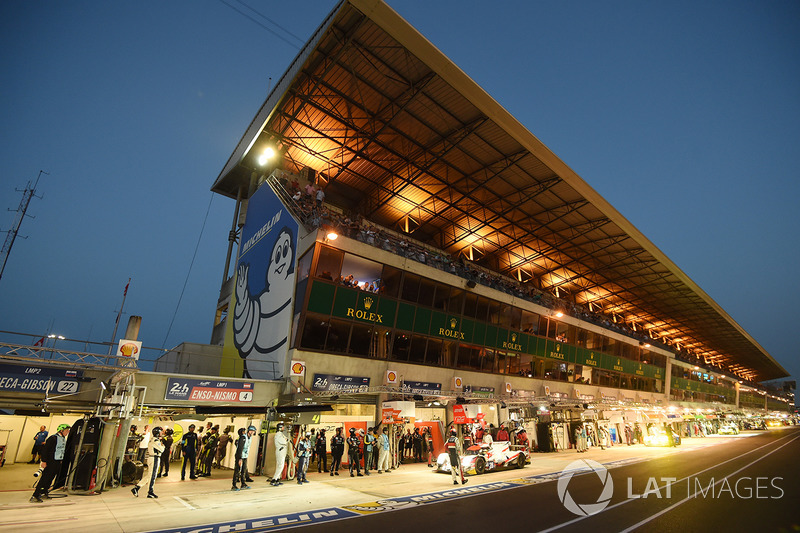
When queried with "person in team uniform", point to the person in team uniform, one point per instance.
{"points": [[153, 457], [52, 454], [321, 449], [353, 455], [453, 447], [240, 458], [337, 450], [281, 448], [167, 441], [189, 451]]}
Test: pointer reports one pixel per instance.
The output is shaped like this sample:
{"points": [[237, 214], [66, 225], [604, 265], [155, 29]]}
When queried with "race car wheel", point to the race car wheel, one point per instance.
{"points": [[521, 461], [480, 465]]}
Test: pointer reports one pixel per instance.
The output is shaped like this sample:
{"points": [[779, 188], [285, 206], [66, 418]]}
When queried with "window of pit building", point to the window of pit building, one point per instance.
{"points": [[360, 340], [482, 312], [364, 271], [416, 354], [338, 336], [304, 266], [390, 281], [441, 298], [604, 378], [529, 322], [470, 304], [400, 346], [427, 288], [410, 289], [455, 304], [475, 358], [315, 331], [329, 263]]}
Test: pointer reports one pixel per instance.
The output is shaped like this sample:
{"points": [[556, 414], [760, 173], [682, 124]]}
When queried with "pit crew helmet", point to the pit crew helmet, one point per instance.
{"points": [[62, 427], [252, 428], [157, 431]]}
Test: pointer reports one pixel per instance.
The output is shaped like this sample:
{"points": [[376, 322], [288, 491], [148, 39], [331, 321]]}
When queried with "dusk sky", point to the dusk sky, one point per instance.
{"points": [[684, 115]]}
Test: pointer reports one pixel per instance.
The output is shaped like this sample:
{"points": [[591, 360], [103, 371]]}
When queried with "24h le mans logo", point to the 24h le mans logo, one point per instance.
{"points": [[578, 467]]}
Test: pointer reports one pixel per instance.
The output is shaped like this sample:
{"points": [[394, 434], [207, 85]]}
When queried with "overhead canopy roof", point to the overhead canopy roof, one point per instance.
{"points": [[401, 135]]}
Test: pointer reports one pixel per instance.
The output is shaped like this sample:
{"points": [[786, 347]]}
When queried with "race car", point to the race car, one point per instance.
{"points": [[659, 437], [481, 458], [729, 430]]}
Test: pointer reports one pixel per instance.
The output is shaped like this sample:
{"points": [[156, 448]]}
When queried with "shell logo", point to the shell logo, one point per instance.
{"points": [[508, 387], [129, 349], [459, 383], [391, 376], [297, 368]]}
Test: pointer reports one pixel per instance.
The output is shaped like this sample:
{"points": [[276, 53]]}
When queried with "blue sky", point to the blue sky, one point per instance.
{"points": [[684, 115]]}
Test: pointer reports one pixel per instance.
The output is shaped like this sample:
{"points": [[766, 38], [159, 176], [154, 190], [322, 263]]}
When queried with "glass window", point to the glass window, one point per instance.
{"points": [[360, 339], [329, 263], [447, 357], [482, 312], [469, 357], [592, 339], [501, 361], [304, 266], [441, 297], [426, 292], [417, 352], [530, 322], [495, 312], [542, 326], [516, 318], [525, 365], [400, 347], [561, 331], [434, 351], [390, 281], [314, 332], [379, 348], [610, 345], [580, 337], [410, 289], [338, 335], [456, 300], [366, 273], [470, 304]]}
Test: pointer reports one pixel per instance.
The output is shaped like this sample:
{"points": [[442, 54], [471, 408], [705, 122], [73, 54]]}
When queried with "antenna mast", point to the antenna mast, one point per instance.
{"points": [[11, 235]]}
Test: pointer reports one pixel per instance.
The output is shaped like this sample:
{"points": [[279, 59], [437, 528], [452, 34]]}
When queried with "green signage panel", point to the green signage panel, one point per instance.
{"points": [[405, 316], [422, 321], [321, 297]]}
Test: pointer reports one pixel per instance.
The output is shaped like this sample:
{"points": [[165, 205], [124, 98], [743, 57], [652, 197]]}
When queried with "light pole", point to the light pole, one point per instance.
{"points": [[55, 339]]}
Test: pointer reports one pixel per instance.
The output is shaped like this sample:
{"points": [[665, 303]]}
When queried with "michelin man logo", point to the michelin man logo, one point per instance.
{"points": [[581, 466], [261, 323]]}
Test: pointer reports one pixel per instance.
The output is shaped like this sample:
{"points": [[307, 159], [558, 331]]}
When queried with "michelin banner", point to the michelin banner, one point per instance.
{"points": [[260, 313]]}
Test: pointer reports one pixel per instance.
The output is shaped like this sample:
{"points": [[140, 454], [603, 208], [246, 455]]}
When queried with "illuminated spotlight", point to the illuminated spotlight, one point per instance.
{"points": [[559, 314], [332, 236], [268, 154]]}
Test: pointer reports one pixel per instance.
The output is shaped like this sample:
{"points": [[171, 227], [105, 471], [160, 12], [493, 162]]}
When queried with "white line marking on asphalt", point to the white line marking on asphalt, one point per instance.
{"points": [[185, 503], [575, 520], [689, 497]]}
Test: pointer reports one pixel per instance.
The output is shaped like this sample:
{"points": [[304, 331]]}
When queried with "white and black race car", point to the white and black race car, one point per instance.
{"points": [[481, 458]]}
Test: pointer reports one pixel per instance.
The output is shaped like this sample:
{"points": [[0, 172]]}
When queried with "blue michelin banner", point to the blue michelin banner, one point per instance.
{"points": [[261, 317], [332, 383], [23, 378], [422, 387], [208, 390]]}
